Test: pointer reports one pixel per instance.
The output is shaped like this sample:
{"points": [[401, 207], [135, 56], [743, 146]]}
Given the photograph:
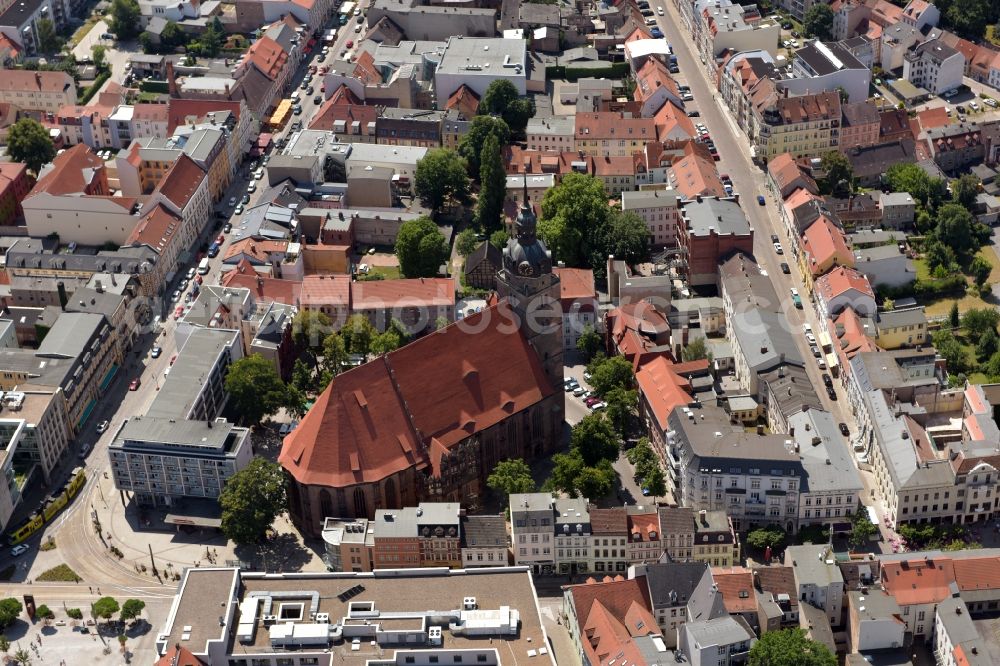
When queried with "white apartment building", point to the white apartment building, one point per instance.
{"points": [[660, 210], [164, 460], [934, 66], [818, 579], [532, 531], [552, 133], [572, 535]]}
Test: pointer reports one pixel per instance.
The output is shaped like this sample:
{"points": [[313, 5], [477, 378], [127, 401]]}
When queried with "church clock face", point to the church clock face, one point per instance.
{"points": [[525, 269]]}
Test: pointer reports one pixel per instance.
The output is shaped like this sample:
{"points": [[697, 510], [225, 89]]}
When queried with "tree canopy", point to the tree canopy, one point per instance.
{"points": [[29, 142], [502, 99], [251, 500], [789, 647], [310, 328], [104, 607], [440, 179], [862, 529], [470, 147], [964, 190], [10, 610], [595, 439], [49, 41], [493, 186], [571, 476], [607, 373], [696, 350], [466, 243], [420, 248], [908, 177], [131, 609], [589, 343], [510, 477], [818, 21], [761, 538], [969, 18], [124, 18], [574, 219], [255, 390], [839, 172]]}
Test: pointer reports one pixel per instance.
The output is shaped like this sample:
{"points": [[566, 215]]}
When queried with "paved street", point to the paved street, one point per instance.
{"points": [[116, 57]]}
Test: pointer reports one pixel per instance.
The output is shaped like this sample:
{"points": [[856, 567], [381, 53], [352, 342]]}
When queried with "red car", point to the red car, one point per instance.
{"points": [[221, 239], [350, 43], [135, 384], [178, 312], [173, 358], [198, 279]]}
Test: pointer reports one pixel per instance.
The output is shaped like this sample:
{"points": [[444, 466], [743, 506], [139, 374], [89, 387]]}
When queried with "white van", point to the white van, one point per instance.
{"points": [[203, 266]]}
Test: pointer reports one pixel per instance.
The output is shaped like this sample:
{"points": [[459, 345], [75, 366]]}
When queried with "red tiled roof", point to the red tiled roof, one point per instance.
{"points": [[267, 55], [253, 249], [18, 80], [616, 596], [918, 581], [977, 573], [320, 290], [824, 242], [670, 119], [267, 289], [608, 638], [575, 283], [181, 181], [842, 279], [652, 76], [156, 229], [344, 95], [611, 125], [784, 170], [364, 69], [646, 525], [465, 100], [151, 112], [695, 173], [931, 118], [69, 171], [11, 171], [663, 388], [179, 656], [332, 110], [409, 406], [736, 587], [609, 521], [382, 294]]}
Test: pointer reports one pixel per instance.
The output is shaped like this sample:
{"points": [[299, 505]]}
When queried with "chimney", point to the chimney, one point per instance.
{"points": [[172, 80], [63, 297], [98, 287]]}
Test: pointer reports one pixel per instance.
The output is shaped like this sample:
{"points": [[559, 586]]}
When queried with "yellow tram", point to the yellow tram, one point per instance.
{"points": [[50, 508]]}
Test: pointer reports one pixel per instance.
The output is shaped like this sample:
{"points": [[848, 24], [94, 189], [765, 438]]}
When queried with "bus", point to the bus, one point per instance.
{"points": [[281, 115]]}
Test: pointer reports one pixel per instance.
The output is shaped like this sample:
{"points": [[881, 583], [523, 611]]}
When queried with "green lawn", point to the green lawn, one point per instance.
{"points": [[387, 272], [942, 306], [82, 31], [61, 573]]}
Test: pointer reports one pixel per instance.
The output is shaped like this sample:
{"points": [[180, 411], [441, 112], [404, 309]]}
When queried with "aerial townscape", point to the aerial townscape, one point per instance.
{"points": [[500, 332]]}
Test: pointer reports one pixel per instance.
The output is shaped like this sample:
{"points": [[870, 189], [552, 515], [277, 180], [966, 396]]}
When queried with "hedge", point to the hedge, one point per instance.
{"points": [[154, 86], [952, 284], [614, 70], [92, 89]]}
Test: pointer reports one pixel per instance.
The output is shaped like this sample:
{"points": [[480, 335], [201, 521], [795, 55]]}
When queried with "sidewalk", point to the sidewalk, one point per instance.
{"points": [[176, 548]]}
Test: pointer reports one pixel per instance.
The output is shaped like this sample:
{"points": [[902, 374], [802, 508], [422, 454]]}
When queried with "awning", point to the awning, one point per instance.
{"points": [[108, 377], [86, 413], [193, 520]]}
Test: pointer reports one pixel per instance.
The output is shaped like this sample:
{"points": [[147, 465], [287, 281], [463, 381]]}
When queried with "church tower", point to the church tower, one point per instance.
{"points": [[527, 282]]}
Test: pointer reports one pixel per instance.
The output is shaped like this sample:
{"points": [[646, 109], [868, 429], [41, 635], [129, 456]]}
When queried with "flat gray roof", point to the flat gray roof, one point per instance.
{"points": [[70, 335], [828, 464], [488, 55], [189, 372], [146, 431], [722, 217]]}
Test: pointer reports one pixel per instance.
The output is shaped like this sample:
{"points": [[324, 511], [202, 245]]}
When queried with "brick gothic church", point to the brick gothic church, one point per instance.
{"points": [[429, 421]]}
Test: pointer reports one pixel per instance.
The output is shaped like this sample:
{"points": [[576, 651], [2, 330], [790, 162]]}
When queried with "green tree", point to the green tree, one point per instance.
{"points": [[4, 643], [818, 21], [574, 221], [471, 145], [335, 355], [951, 351], [440, 179], [953, 318], [763, 537], [44, 612], [254, 388], [980, 270], [861, 529], [652, 479], [969, 18], [510, 477], [493, 186], [358, 334], [978, 321], [498, 239], [566, 467], [640, 454], [421, 248], [251, 500], [131, 609], [30, 143], [988, 345], [124, 19], [908, 177], [839, 172], [172, 36], [385, 342], [589, 343], [626, 237], [622, 407], [596, 481], [955, 228], [964, 190], [941, 256], [465, 242], [696, 350], [49, 41], [502, 99], [309, 329], [73, 613], [104, 608], [22, 657], [610, 373], [99, 55], [595, 439], [789, 647]]}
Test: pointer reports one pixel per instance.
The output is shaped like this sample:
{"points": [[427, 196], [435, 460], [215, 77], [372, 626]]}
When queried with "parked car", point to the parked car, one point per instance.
{"points": [[578, 391], [102, 426], [774, 238], [827, 379], [659, 10], [844, 429], [830, 392], [760, 200], [990, 102], [785, 269], [811, 338], [227, 227], [317, 100], [350, 44], [777, 248], [135, 384], [155, 352], [815, 351], [19, 549]]}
